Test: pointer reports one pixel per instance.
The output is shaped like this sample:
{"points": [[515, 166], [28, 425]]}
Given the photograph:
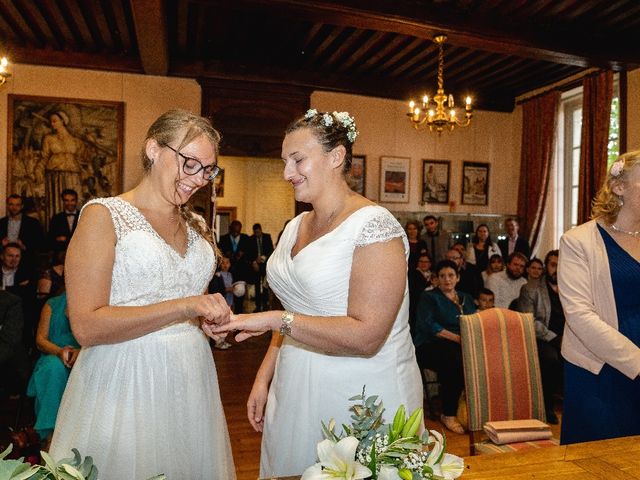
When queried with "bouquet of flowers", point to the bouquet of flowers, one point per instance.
{"points": [[370, 449], [75, 468]]}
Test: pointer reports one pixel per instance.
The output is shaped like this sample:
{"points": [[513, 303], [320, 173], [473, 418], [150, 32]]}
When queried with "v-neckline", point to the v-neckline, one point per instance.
{"points": [[156, 234], [617, 245], [297, 232]]}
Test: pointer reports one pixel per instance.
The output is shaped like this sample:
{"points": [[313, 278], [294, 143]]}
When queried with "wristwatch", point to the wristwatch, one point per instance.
{"points": [[287, 321]]}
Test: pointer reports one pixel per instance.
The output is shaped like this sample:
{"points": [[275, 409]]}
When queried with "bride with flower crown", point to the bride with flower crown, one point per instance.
{"points": [[340, 272]]}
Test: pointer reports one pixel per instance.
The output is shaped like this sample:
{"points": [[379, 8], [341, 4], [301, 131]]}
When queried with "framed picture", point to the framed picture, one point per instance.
{"points": [[357, 173], [435, 181], [475, 183], [394, 179], [61, 143], [218, 183]]}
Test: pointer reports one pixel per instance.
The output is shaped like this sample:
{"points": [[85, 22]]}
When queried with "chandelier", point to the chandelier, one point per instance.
{"points": [[4, 74], [432, 112]]}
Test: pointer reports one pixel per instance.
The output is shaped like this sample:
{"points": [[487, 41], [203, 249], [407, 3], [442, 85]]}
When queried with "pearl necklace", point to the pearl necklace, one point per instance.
{"points": [[635, 234]]}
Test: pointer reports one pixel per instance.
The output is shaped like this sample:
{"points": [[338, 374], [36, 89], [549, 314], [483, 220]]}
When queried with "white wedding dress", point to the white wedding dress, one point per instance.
{"points": [[310, 386], [149, 405]]}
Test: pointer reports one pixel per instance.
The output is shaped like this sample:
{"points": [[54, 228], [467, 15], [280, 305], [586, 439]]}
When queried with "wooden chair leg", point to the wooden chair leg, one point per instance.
{"points": [[472, 443]]}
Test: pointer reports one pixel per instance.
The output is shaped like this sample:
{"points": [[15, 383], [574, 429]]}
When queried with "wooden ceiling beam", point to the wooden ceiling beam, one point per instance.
{"points": [[369, 86], [464, 30], [64, 58], [151, 32]]}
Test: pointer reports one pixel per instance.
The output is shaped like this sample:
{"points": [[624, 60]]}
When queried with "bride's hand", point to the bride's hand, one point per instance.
{"points": [[250, 325], [212, 308]]}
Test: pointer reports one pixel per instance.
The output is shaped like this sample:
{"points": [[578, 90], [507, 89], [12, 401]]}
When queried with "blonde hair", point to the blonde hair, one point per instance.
{"points": [[167, 130], [607, 204]]}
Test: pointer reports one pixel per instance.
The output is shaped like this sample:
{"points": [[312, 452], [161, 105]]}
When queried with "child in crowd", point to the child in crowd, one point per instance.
{"points": [[486, 299]]}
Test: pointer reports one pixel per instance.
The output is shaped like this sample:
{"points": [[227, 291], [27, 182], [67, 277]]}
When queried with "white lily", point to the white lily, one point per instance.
{"points": [[337, 461], [451, 466], [388, 472]]}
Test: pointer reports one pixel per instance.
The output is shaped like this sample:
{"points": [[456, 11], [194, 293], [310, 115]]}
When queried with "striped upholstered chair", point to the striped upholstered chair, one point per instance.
{"points": [[502, 374]]}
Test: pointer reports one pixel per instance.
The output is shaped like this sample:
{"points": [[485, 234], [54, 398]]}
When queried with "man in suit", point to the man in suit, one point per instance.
{"points": [[513, 242], [261, 250], [63, 224], [14, 364], [19, 228], [543, 300], [19, 279], [237, 247]]}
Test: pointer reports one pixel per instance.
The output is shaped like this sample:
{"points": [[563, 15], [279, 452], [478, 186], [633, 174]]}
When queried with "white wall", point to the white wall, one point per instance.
{"points": [[145, 98], [386, 131]]}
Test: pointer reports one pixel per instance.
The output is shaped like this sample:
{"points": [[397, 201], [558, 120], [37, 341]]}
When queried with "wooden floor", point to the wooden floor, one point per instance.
{"points": [[236, 369]]}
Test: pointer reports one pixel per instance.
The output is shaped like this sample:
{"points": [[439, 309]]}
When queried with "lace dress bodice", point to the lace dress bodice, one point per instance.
{"points": [[146, 268]]}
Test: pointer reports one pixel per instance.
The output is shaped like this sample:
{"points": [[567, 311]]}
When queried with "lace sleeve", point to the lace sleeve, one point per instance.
{"points": [[380, 228]]}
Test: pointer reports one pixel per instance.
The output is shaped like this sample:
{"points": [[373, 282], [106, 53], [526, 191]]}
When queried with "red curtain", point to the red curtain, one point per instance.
{"points": [[596, 113], [540, 117]]}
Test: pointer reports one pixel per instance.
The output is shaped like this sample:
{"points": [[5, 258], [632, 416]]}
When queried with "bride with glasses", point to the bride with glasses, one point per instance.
{"points": [[143, 397]]}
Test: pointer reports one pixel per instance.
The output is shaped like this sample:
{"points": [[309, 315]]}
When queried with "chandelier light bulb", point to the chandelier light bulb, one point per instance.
{"points": [[412, 104], [425, 99]]}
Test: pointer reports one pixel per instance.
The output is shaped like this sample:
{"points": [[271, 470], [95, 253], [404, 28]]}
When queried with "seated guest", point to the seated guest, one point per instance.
{"points": [[51, 282], [496, 264], [419, 281], [18, 278], [51, 372], [417, 246], [535, 269], [14, 364], [486, 299], [470, 277], [542, 299], [63, 224], [506, 285], [438, 337], [481, 248]]}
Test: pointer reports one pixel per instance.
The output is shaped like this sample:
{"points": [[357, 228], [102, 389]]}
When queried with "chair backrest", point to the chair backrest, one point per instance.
{"points": [[501, 369]]}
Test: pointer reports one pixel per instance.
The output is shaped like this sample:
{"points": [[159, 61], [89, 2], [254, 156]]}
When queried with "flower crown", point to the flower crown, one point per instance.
{"points": [[343, 118], [617, 168]]}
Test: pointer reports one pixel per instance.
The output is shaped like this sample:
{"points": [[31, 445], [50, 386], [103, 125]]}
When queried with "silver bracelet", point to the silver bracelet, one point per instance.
{"points": [[287, 321]]}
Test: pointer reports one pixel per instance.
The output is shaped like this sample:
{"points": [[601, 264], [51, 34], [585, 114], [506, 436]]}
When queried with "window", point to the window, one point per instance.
{"points": [[568, 154]]}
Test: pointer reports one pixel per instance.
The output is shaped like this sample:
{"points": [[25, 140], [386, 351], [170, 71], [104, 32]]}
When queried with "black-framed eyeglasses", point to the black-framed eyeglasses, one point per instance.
{"points": [[193, 166]]}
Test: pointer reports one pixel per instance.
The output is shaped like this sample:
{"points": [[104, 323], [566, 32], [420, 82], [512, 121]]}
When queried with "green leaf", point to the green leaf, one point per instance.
{"points": [[49, 463]]}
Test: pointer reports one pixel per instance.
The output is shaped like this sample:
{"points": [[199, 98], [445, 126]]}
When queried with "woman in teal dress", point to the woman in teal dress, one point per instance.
{"points": [[59, 351]]}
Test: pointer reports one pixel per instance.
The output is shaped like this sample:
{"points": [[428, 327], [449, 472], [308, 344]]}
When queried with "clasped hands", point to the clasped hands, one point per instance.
{"points": [[249, 325]]}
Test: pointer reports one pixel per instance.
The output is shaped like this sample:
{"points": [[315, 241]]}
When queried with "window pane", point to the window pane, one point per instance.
{"points": [[575, 167], [574, 206], [577, 126]]}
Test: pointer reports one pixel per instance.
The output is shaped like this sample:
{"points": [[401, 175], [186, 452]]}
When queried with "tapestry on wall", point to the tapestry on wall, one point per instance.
{"points": [[60, 143]]}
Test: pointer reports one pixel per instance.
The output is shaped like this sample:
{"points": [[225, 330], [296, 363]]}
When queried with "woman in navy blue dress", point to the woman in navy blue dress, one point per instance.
{"points": [[599, 279]]}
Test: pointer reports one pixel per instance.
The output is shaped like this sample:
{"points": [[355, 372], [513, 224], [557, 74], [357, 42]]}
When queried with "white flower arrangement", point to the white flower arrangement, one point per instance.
{"points": [[346, 120], [617, 168], [75, 468], [371, 449]]}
